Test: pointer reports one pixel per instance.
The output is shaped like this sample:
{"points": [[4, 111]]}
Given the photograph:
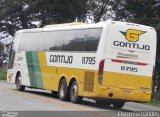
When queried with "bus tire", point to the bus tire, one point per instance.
{"points": [[63, 90], [74, 98], [19, 86], [118, 104]]}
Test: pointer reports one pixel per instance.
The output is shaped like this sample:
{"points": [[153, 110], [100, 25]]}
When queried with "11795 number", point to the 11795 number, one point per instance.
{"points": [[88, 60], [131, 69]]}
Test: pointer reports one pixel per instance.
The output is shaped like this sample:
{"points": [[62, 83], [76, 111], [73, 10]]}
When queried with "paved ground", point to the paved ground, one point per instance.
{"points": [[40, 100]]}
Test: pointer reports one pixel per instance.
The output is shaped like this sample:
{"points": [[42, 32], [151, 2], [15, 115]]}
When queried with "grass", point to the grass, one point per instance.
{"points": [[156, 100], [3, 74]]}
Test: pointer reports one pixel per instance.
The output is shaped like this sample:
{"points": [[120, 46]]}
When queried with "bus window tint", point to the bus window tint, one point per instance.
{"points": [[31, 42], [93, 39], [54, 40], [75, 41], [82, 40], [69, 40], [13, 50], [11, 59]]}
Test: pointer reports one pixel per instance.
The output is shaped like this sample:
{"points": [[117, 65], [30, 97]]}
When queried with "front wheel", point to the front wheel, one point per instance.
{"points": [[74, 98], [19, 86], [118, 104]]}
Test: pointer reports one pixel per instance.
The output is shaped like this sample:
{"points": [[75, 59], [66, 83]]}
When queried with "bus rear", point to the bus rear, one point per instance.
{"points": [[126, 72]]}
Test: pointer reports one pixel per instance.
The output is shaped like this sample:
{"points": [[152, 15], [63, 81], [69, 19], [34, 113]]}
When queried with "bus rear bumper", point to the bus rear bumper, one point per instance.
{"points": [[124, 94]]}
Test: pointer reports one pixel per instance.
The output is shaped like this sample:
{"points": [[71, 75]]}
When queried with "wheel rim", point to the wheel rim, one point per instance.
{"points": [[74, 92], [62, 90]]}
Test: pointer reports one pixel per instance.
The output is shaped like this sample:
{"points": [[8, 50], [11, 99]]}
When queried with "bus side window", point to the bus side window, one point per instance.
{"points": [[80, 40], [93, 39], [13, 50], [11, 59], [54, 40], [68, 41], [75, 40]]}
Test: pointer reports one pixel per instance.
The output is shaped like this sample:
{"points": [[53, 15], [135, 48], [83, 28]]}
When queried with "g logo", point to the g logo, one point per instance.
{"points": [[132, 35]]}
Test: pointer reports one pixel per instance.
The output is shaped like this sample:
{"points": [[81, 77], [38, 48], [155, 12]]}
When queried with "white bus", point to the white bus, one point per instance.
{"points": [[109, 62]]}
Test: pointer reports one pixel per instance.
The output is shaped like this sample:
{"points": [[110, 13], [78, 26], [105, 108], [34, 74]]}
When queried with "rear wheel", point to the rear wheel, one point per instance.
{"points": [[63, 90], [118, 104], [74, 98], [19, 86]]}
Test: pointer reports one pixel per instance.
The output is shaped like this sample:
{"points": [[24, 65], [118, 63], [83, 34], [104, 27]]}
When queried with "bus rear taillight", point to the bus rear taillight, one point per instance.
{"points": [[100, 72]]}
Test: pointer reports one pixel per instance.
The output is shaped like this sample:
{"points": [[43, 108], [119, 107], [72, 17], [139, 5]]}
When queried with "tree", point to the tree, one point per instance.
{"points": [[99, 10], [156, 80], [138, 11], [21, 14], [1, 48], [1, 53], [58, 11], [14, 15]]}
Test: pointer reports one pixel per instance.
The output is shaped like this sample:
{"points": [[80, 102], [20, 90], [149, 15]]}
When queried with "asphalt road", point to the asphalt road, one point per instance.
{"points": [[40, 100]]}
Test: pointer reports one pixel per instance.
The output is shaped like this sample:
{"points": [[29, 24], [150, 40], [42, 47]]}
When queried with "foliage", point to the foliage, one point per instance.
{"points": [[3, 74], [57, 11], [1, 48], [21, 14], [1, 53], [99, 10], [138, 11], [156, 77], [156, 100]]}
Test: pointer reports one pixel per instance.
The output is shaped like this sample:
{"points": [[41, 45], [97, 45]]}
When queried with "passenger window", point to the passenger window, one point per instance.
{"points": [[63, 40]]}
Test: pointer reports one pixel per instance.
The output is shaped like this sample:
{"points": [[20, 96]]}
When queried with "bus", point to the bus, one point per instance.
{"points": [[111, 62]]}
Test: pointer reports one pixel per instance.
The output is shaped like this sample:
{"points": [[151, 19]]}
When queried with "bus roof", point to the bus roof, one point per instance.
{"points": [[65, 24], [63, 27], [76, 25]]}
